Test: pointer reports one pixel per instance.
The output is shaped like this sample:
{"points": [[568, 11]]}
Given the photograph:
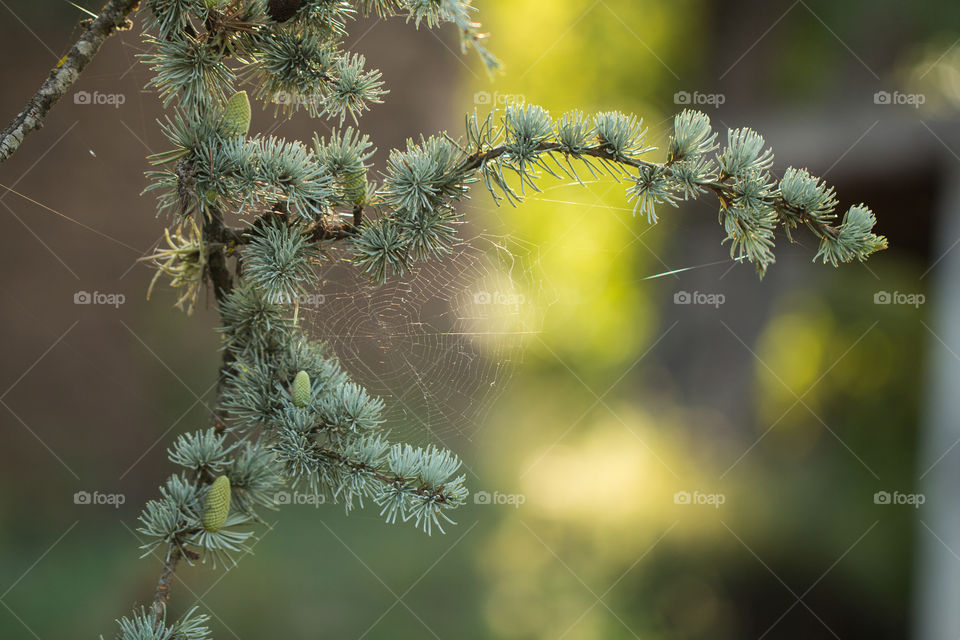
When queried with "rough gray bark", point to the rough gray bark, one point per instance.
{"points": [[112, 17]]}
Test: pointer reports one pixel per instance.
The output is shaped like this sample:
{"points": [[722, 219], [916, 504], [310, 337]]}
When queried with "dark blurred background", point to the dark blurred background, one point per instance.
{"points": [[775, 459]]}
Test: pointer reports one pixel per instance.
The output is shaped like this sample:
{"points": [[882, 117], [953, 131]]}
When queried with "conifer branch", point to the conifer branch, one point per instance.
{"points": [[162, 594], [111, 18], [423, 184], [287, 414], [722, 188]]}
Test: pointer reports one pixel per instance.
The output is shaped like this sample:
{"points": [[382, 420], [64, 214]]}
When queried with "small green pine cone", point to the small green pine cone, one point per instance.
{"points": [[355, 187], [301, 389], [212, 4], [217, 505], [236, 114]]}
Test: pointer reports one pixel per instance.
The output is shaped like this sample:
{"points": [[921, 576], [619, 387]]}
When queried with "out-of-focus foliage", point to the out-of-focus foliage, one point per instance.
{"points": [[599, 548], [594, 268]]}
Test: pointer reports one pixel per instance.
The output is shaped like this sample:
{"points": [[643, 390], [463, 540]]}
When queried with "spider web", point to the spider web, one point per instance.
{"points": [[440, 343]]}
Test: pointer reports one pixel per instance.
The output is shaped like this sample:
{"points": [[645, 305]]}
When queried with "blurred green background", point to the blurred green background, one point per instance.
{"points": [[586, 407]]}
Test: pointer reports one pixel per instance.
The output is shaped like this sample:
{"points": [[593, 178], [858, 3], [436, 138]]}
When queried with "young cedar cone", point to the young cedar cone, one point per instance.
{"points": [[283, 10], [355, 187], [217, 505], [301, 389], [236, 114]]}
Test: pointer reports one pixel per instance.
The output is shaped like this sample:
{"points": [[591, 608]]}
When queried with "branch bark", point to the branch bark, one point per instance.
{"points": [[218, 236], [162, 593], [112, 17]]}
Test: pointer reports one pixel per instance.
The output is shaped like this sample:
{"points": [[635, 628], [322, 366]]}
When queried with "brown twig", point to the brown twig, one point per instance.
{"points": [[219, 238], [162, 593], [62, 77]]}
